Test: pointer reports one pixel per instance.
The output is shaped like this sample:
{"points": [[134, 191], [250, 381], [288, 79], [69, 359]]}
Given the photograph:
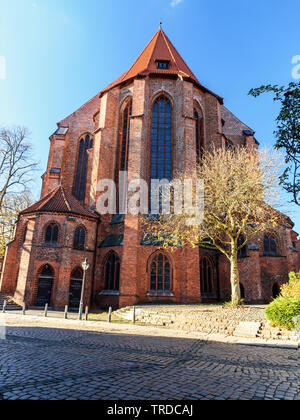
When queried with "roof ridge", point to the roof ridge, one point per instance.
{"points": [[138, 58], [166, 39], [65, 198], [48, 197]]}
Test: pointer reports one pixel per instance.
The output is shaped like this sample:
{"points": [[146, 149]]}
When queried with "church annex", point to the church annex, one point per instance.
{"points": [[153, 120]]}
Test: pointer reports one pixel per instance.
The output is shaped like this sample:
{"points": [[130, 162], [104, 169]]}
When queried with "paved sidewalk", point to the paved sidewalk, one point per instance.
{"points": [[57, 359], [56, 319]]}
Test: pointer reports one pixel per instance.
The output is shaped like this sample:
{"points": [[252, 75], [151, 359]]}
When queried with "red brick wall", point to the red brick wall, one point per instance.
{"points": [[101, 118]]}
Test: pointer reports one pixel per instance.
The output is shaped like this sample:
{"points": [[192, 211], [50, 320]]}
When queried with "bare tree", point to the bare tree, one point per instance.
{"points": [[240, 190], [12, 205], [16, 162]]}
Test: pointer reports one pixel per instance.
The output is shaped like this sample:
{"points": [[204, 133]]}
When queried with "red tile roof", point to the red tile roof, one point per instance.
{"points": [[160, 48], [59, 200]]}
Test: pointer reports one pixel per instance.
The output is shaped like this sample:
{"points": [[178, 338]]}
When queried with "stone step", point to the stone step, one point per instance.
{"points": [[10, 304], [248, 329]]}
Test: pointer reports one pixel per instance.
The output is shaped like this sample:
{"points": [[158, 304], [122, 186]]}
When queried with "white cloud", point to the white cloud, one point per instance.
{"points": [[175, 3]]}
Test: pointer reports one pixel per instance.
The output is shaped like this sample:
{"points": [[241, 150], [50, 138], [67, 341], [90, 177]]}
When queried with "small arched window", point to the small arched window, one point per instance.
{"points": [[270, 246], [206, 276], [51, 235], [112, 272], [160, 274], [85, 144], [79, 238], [199, 134]]}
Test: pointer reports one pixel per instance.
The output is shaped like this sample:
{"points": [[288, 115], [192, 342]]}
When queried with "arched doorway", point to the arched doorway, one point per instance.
{"points": [[45, 285], [275, 290], [75, 289], [206, 276]]}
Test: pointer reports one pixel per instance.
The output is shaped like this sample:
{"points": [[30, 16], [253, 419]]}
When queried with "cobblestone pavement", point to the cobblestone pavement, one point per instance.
{"points": [[54, 362]]}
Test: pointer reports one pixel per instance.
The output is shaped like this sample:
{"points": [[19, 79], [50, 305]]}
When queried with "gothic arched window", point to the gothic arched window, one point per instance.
{"points": [[199, 134], [125, 138], [51, 235], [242, 253], [112, 272], [206, 275], [270, 246], [160, 274], [85, 144], [161, 148], [79, 238]]}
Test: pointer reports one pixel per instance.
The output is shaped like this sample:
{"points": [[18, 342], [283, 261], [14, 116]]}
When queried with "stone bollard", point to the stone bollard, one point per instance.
{"points": [[66, 312], [24, 309], [4, 306], [133, 315], [46, 310], [86, 315], [109, 314]]}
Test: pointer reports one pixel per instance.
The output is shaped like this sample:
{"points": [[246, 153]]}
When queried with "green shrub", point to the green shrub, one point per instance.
{"points": [[292, 288], [282, 311]]}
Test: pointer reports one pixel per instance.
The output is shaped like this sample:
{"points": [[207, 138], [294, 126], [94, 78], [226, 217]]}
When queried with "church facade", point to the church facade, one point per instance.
{"points": [[151, 122]]}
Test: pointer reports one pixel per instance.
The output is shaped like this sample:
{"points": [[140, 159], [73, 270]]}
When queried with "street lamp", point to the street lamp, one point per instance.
{"points": [[85, 266]]}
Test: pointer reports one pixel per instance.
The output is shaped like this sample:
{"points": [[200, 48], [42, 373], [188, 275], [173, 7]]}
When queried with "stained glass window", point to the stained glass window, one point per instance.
{"points": [[160, 280], [79, 238], [51, 236], [112, 272], [199, 134], [85, 144], [243, 251], [126, 137], [161, 149], [206, 275], [270, 247]]}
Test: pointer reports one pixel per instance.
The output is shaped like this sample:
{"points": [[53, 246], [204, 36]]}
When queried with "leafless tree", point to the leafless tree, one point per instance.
{"points": [[16, 162], [240, 191]]}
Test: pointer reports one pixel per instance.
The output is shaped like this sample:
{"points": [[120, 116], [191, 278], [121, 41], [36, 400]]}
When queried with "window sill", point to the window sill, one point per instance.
{"points": [[272, 256], [109, 293], [50, 245], [154, 293]]}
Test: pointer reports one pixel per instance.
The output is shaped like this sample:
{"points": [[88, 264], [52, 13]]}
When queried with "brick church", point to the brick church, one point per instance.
{"points": [[153, 120]]}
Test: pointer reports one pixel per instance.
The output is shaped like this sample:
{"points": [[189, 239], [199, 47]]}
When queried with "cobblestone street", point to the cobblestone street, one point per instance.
{"points": [[52, 361]]}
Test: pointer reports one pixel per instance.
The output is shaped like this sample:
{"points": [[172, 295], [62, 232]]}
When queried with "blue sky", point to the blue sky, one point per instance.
{"points": [[60, 53]]}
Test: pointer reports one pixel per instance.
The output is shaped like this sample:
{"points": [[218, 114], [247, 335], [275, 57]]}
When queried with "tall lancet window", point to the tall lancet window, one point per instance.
{"points": [[161, 149], [85, 144], [125, 137], [199, 134]]}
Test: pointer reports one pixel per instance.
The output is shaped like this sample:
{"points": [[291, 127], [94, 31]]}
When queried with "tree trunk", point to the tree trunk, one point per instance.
{"points": [[235, 277]]}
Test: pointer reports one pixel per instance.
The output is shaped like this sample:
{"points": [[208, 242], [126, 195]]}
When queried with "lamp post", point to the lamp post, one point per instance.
{"points": [[85, 266]]}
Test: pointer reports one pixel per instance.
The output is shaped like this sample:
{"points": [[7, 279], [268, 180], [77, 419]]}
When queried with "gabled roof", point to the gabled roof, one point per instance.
{"points": [[59, 200], [160, 48], [232, 124]]}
